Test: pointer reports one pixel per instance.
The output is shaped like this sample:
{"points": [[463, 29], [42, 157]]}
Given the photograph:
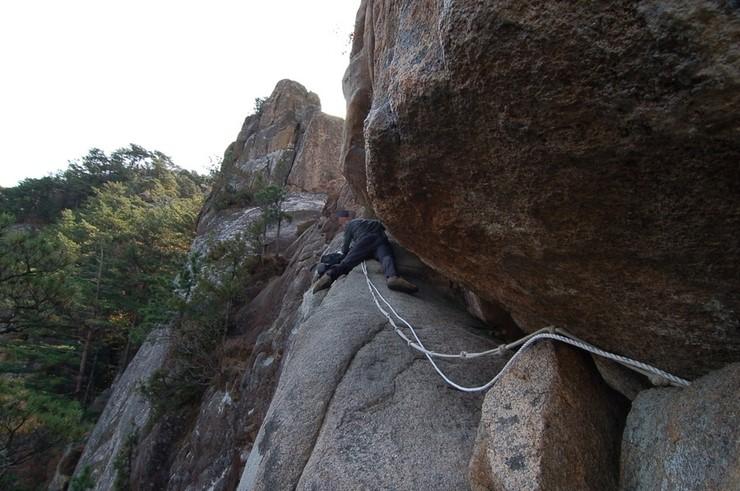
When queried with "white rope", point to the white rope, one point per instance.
{"points": [[525, 342]]}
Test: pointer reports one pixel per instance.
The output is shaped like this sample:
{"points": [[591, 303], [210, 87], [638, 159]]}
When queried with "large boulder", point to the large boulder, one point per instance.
{"points": [[356, 408], [550, 422], [576, 163], [685, 439]]}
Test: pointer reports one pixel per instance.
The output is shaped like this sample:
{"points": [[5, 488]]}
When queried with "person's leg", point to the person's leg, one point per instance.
{"points": [[359, 251], [384, 255]]}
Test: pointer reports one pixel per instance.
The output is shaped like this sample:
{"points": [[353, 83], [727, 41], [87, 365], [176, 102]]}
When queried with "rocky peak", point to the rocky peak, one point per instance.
{"points": [[288, 99], [268, 141], [288, 142]]}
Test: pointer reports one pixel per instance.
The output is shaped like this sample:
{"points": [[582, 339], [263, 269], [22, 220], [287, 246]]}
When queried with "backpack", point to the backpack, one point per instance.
{"points": [[329, 260]]}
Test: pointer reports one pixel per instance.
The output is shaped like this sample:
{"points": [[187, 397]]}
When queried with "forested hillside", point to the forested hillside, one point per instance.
{"points": [[88, 261]]}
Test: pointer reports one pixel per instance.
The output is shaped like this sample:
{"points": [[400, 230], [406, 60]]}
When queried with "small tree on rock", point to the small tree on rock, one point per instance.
{"points": [[271, 199]]}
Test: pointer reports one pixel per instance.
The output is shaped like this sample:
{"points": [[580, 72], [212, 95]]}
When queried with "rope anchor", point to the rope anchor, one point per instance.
{"points": [[549, 332]]}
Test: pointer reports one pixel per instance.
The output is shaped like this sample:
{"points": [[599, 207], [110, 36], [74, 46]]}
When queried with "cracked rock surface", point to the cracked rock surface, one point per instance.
{"points": [[355, 408]]}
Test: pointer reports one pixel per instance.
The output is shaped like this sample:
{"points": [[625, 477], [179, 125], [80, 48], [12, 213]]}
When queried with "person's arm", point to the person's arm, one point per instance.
{"points": [[347, 238]]}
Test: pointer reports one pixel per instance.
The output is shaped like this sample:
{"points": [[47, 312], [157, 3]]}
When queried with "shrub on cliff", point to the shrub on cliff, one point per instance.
{"points": [[212, 287]]}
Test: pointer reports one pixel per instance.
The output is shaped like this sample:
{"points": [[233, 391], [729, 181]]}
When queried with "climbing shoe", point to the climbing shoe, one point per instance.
{"points": [[399, 284], [323, 283]]}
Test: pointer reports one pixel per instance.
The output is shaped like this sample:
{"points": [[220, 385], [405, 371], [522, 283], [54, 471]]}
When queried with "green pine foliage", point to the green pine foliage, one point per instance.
{"points": [[258, 103], [42, 200], [31, 422], [83, 481], [88, 261], [270, 199]]}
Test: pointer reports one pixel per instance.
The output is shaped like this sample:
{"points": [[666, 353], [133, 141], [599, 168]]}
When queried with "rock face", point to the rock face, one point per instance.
{"points": [[213, 454], [202, 461], [685, 438], [303, 208], [322, 142], [125, 413], [355, 408], [289, 142], [549, 423], [588, 151]]}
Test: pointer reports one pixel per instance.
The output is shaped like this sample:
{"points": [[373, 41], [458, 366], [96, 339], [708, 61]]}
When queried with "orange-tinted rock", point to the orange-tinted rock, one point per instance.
{"points": [[577, 164], [317, 168]]}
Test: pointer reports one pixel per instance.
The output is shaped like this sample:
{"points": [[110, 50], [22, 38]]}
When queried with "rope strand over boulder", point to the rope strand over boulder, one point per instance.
{"points": [[546, 333]]}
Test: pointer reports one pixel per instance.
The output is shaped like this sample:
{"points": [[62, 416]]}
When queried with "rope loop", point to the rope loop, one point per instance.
{"points": [[549, 332]]}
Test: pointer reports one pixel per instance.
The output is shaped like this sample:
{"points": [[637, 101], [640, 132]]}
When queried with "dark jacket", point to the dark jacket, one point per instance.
{"points": [[360, 228]]}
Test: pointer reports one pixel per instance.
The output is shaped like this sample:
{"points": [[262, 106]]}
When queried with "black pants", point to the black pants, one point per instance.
{"points": [[372, 246]]}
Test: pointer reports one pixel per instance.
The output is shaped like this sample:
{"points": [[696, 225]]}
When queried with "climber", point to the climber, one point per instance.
{"points": [[368, 240]]}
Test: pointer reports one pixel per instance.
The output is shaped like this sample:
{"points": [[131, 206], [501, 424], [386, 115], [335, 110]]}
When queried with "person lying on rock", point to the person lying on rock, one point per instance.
{"points": [[368, 240]]}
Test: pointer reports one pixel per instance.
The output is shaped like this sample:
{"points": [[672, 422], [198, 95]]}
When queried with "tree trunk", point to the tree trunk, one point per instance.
{"points": [[126, 351], [277, 238], [83, 360], [90, 379], [90, 330]]}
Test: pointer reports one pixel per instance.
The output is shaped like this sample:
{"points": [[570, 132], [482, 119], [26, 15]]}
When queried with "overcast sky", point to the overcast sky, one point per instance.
{"points": [[172, 75]]}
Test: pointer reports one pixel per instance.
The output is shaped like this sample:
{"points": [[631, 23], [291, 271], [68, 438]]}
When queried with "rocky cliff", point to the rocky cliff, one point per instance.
{"points": [[535, 164], [289, 143], [356, 409]]}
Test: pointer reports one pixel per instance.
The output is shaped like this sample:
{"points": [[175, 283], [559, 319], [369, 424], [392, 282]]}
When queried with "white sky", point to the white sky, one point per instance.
{"points": [[171, 75]]}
